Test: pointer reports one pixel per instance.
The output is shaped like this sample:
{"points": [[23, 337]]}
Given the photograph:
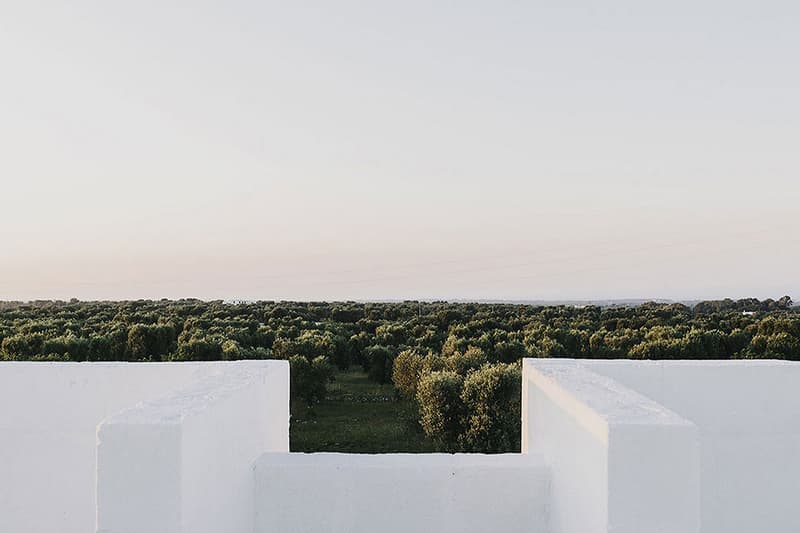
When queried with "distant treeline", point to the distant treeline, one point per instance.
{"points": [[458, 360]]}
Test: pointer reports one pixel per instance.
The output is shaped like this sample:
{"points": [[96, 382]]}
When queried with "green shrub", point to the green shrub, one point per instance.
{"points": [[441, 409], [378, 363], [492, 397], [231, 351], [309, 379], [199, 350], [509, 351], [343, 352], [658, 349], [433, 363], [462, 363], [21, 347], [410, 366], [453, 344], [776, 346], [258, 353], [311, 343], [406, 372]]}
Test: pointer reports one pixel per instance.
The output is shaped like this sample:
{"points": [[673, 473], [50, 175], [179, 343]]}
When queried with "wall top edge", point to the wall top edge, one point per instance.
{"points": [[665, 362], [393, 460], [594, 397], [220, 383], [113, 364]]}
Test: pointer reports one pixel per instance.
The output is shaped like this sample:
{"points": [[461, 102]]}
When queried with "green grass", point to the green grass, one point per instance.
{"points": [[357, 416]]}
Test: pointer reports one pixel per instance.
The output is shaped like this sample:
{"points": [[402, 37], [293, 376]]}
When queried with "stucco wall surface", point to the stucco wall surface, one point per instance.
{"points": [[48, 418], [184, 463], [608, 447], [398, 493], [49, 413], [747, 414], [619, 461]]}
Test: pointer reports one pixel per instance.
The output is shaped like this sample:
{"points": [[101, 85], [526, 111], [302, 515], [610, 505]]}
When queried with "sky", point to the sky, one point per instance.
{"points": [[399, 150]]}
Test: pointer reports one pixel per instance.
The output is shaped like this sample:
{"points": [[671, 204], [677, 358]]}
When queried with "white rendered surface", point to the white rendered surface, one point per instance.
{"points": [[48, 418], [748, 418], [398, 493], [608, 447], [184, 463], [49, 413], [619, 462]]}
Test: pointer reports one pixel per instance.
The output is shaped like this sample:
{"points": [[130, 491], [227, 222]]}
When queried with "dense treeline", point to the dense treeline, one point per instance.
{"points": [[459, 361]]}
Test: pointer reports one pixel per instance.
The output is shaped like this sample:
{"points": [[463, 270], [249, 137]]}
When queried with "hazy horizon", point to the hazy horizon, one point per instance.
{"points": [[365, 151]]}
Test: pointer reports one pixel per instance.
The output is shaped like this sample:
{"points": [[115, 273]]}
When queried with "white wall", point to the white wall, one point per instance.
{"points": [[608, 446], [48, 418], [748, 417], [399, 493], [619, 461], [49, 414], [184, 463]]}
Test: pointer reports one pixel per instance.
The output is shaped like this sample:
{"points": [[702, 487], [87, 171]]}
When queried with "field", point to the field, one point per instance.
{"points": [[357, 416]]}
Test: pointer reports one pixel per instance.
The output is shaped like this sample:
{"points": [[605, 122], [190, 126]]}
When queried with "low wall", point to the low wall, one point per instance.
{"points": [[48, 418], [747, 414], [608, 446], [328, 492], [619, 461], [49, 413], [183, 463]]}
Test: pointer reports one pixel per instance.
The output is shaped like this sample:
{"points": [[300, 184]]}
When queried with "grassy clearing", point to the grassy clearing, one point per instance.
{"points": [[358, 416]]}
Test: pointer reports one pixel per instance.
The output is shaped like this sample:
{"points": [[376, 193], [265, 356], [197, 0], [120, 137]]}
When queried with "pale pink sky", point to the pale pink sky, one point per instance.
{"points": [[373, 150]]}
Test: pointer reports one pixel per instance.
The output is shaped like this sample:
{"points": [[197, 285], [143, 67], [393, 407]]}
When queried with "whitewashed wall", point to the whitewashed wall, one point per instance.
{"points": [[399, 493], [49, 414], [619, 461], [184, 463], [608, 446], [48, 418], [748, 417]]}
